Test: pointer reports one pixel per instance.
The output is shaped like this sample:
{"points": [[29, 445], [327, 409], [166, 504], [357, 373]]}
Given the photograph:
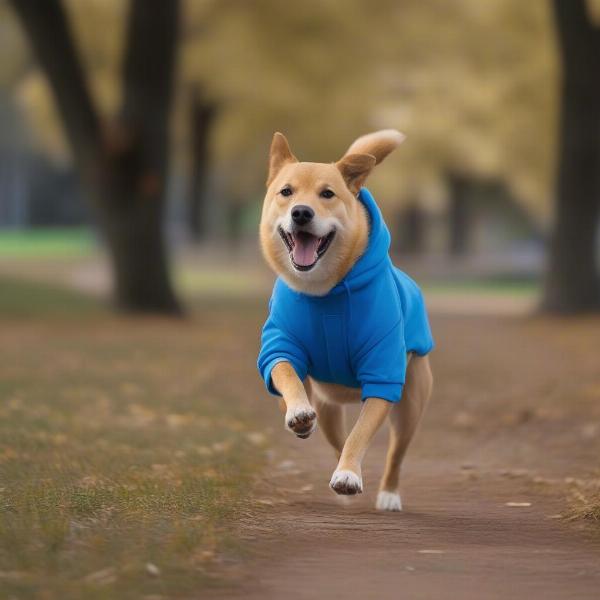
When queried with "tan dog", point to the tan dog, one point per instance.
{"points": [[313, 230]]}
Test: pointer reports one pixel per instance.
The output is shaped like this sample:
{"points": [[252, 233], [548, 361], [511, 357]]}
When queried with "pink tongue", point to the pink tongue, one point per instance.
{"points": [[305, 249]]}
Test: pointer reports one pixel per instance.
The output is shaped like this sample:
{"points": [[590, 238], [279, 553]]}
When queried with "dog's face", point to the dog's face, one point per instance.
{"points": [[313, 227]]}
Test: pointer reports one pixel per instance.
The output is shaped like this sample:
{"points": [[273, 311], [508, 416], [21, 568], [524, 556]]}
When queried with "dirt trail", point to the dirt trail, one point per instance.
{"points": [[515, 412]]}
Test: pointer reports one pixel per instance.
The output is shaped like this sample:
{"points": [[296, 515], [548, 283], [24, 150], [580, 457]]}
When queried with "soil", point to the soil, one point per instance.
{"points": [[515, 418]]}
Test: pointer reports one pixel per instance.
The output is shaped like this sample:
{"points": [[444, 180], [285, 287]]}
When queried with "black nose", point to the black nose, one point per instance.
{"points": [[301, 214]]}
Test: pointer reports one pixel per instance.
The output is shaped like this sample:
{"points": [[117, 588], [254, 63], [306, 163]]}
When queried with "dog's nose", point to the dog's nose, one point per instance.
{"points": [[301, 215]]}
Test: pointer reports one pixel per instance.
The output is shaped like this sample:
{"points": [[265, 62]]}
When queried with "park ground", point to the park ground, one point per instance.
{"points": [[141, 457]]}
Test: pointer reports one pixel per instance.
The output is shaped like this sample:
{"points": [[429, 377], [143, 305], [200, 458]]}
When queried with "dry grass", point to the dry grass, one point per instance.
{"points": [[585, 505], [125, 453], [128, 448]]}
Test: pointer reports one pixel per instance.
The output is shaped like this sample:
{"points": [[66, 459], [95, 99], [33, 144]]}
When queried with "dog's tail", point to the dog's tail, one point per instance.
{"points": [[379, 143]]}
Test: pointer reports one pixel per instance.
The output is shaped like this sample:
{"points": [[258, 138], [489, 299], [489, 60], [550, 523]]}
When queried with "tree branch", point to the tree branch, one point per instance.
{"points": [[47, 28]]}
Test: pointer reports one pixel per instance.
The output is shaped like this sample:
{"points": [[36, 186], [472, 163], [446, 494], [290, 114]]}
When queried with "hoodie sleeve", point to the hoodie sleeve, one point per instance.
{"points": [[278, 346], [381, 369]]}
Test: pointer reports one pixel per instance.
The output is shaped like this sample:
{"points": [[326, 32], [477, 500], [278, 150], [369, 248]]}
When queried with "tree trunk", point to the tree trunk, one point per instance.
{"points": [[572, 282], [413, 223], [123, 166], [202, 120], [136, 246], [459, 215]]}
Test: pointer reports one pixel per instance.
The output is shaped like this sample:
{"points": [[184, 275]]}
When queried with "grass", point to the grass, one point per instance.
{"points": [[126, 457], [24, 298], [491, 286], [218, 282], [585, 505], [59, 242]]}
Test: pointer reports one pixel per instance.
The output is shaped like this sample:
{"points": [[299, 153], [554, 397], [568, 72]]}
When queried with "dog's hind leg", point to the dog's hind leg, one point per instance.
{"points": [[333, 423], [404, 421], [331, 416]]}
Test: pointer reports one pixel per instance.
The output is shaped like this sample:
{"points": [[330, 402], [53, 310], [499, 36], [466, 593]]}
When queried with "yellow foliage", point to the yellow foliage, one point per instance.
{"points": [[472, 84]]}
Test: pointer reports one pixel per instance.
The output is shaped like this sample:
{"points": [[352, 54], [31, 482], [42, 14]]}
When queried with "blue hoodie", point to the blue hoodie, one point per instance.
{"points": [[357, 335]]}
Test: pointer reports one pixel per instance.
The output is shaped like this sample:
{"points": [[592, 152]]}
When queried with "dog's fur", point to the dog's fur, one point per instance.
{"points": [[344, 215]]}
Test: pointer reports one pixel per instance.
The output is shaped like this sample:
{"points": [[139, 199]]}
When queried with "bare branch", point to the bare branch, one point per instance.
{"points": [[47, 28]]}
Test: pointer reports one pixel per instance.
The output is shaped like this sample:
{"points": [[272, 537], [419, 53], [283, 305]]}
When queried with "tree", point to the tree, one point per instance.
{"points": [[573, 283], [123, 164], [202, 118], [472, 84]]}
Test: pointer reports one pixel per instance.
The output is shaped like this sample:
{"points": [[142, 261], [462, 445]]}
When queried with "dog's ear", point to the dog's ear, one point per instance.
{"points": [[355, 168], [379, 144], [279, 156]]}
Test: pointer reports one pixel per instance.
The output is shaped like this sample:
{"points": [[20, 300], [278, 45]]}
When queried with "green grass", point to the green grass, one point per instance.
{"points": [[126, 457], [23, 298], [44, 242], [492, 286]]}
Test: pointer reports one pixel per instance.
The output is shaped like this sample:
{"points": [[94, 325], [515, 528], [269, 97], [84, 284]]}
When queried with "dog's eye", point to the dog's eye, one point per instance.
{"points": [[286, 191], [327, 194]]}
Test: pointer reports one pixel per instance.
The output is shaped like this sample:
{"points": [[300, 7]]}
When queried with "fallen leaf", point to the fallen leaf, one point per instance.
{"points": [[463, 420], [152, 569], [102, 577], [589, 431], [257, 438]]}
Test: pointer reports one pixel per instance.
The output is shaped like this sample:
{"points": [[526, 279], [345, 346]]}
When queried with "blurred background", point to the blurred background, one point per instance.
{"points": [[133, 153], [134, 141]]}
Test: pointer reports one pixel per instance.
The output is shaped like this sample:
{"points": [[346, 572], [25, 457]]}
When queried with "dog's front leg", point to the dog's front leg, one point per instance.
{"points": [[347, 478], [300, 417]]}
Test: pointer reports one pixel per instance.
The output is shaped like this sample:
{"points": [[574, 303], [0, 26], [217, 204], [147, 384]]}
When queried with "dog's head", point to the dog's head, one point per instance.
{"points": [[313, 228]]}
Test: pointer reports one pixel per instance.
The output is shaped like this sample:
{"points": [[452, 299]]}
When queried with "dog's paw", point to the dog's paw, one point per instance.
{"points": [[346, 482], [388, 501], [301, 421]]}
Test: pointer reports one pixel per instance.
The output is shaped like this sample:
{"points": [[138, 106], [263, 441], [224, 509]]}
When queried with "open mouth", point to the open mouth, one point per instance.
{"points": [[305, 248]]}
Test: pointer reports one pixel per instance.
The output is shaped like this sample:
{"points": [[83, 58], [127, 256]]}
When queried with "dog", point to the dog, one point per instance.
{"points": [[344, 324]]}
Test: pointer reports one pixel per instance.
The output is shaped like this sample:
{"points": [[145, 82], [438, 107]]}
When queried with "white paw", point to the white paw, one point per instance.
{"points": [[301, 420], [388, 501], [346, 482]]}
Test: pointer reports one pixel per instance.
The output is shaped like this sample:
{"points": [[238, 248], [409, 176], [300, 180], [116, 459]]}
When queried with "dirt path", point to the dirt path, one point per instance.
{"points": [[515, 412]]}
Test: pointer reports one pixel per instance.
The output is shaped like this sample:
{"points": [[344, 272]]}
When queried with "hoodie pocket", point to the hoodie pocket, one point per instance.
{"points": [[337, 351]]}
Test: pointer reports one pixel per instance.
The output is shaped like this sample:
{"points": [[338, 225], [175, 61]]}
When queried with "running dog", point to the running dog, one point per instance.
{"points": [[344, 324]]}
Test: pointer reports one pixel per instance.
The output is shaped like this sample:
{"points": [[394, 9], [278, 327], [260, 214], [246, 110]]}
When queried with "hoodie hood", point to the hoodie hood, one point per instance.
{"points": [[376, 256]]}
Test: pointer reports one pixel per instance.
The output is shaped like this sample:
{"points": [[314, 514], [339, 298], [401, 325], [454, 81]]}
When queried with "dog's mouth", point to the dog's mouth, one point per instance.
{"points": [[305, 248]]}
